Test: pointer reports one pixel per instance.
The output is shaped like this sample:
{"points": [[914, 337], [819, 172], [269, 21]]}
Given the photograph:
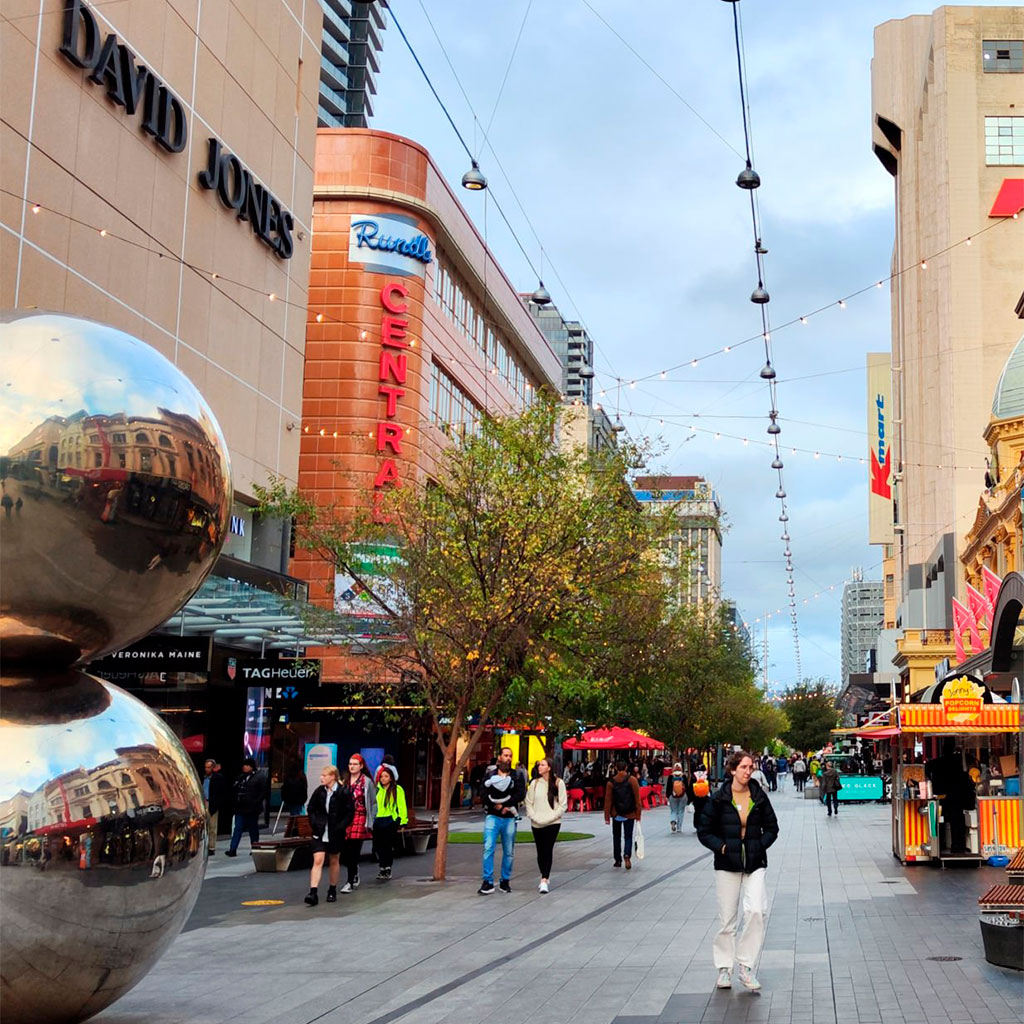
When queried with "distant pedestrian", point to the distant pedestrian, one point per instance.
{"points": [[503, 791], [770, 769], [760, 778], [830, 786], [294, 789], [248, 799], [213, 793], [392, 814], [675, 793], [18, 505], [782, 768], [546, 802], [799, 774], [739, 824], [364, 811], [622, 809], [8, 503], [700, 789], [330, 813]]}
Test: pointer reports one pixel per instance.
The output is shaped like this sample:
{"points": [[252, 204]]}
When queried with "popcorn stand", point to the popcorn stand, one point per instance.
{"points": [[985, 729]]}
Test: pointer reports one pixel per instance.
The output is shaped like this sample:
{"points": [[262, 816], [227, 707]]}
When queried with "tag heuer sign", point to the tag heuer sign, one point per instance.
{"points": [[265, 671], [158, 653]]}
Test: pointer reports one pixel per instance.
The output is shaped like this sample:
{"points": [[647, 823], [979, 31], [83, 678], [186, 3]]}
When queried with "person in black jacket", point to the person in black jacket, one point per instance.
{"points": [[248, 794], [330, 810], [503, 790], [738, 823]]}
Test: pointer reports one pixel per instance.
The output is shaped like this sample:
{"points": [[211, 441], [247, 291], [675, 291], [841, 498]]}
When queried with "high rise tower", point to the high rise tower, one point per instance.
{"points": [[350, 58]]}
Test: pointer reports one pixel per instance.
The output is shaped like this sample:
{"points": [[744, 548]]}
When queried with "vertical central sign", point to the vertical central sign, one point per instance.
{"points": [[880, 462], [393, 370]]}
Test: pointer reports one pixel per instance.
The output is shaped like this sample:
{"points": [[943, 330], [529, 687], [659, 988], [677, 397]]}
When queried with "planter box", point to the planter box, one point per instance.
{"points": [[1004, 943]]}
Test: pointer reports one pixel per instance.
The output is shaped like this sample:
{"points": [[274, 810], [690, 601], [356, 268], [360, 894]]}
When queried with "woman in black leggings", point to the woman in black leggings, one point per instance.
{"points": [[546, 801]]}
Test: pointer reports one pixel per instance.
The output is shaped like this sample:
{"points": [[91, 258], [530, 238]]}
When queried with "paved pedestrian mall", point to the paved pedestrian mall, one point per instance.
{"points": [[851, 937]]}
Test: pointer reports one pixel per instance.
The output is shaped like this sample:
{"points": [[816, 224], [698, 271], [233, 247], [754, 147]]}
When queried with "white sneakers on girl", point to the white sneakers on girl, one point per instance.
{"points": [[543, 887], [724, 978]]}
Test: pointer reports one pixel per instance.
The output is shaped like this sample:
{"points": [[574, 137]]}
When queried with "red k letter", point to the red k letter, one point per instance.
{"points": [[1010, 200], [880, 475]]}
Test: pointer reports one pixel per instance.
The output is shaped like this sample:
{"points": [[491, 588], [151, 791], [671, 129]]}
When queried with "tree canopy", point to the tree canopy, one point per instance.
{"points": [[810, 708]]}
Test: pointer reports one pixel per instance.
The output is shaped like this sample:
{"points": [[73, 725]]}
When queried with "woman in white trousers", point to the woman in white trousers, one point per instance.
{"points": [[738, 824]]}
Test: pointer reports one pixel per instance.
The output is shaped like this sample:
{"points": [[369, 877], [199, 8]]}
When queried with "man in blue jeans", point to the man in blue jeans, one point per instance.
{"points": [[502, 791]]}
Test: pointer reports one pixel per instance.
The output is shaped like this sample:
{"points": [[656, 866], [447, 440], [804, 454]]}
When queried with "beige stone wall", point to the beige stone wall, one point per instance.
{"points": [[953, 323], [246, 72]]}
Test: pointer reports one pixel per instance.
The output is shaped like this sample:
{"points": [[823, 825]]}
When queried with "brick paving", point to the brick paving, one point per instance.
{"points": [[849, 935]]}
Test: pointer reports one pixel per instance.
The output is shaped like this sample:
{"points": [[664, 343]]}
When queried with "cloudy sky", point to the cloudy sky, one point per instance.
{"points": [[633, 218]]}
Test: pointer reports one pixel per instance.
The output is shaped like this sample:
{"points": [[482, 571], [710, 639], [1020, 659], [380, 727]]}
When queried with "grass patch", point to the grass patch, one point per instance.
{"points": [[469, 838]]}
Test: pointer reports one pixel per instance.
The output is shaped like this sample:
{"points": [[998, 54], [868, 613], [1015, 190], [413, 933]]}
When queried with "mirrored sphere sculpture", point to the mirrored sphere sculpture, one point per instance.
{"points": [[103, 845], [115, 497], [116, 489]]}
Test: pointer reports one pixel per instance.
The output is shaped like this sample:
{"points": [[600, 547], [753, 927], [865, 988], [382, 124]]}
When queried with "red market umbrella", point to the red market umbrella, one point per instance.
{"points": [[615, 738]]}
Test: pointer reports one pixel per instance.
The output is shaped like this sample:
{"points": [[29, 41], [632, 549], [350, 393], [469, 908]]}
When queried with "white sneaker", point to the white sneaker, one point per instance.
{"points": [[748, 979], [347, 887], [543, 887], [355, 882], [724, 978]]}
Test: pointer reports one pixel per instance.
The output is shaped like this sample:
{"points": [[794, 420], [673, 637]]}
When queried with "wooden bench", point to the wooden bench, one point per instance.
{"points": [[1015, 869], [279, 853]]}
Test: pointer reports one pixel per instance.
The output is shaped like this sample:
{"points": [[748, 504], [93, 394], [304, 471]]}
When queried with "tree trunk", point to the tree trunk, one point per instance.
{"points": [[444, 812]]}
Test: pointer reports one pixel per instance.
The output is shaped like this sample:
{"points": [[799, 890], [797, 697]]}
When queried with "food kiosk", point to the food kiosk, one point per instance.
{"points": [[980, 721]]}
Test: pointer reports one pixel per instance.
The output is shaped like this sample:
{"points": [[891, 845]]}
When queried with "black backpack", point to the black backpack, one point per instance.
{"points": [[623, 800]]}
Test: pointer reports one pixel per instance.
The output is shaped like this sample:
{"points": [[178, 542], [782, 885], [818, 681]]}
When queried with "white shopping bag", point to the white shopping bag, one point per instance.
{"points": [[638, 840]]}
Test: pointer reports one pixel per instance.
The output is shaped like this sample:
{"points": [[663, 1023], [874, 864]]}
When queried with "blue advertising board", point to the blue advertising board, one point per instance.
{"points": [[861, 787]]}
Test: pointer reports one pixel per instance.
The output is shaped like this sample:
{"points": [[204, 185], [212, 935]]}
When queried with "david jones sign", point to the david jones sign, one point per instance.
{"points": [[161, 114]]}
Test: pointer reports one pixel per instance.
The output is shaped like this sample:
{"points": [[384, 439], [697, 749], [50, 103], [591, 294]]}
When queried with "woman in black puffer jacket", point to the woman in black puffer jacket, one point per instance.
{"points": [[738, 823]]}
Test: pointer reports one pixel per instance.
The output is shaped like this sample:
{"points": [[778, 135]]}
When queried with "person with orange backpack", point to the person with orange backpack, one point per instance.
{"points": [[675, 792], [700, 790]]}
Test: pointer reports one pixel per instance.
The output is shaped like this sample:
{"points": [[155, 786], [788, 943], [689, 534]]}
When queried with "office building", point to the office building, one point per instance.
{"points": [[573, 346], [697, 538], [349, 61], [862, 614], [948, 125]]}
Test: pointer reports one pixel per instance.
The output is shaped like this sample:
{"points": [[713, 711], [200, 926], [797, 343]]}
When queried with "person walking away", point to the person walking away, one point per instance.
{"points": [[738, 824], [781, 768], [503, 791], [770, 769], [392, 814], [248, 796], [330, 813], [675, 793], [622, 809], [294, 789], [364, 812], [546, 802], [213, 794], [830, 786], [760, 778], [799, 774], [700, 790]]}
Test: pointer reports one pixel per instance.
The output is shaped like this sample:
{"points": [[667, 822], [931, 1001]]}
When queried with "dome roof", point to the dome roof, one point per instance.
{"points": [[1008, 400]]}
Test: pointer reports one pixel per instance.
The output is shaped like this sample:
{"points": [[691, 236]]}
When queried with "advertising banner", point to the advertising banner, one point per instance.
{"points": [[256, 740], [318, 757], [880, 457], [158, 652]]}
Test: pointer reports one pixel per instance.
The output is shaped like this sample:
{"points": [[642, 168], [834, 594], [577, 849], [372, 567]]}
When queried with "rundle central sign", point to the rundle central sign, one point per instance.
{"points": [[139, 90]]}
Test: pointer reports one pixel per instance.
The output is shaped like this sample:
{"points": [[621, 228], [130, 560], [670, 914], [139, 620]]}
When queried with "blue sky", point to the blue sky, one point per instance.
{"points": [[639, 231]]}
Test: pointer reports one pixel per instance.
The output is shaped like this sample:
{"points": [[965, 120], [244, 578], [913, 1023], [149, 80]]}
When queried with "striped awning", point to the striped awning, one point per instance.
{"points": [[932, 718]]}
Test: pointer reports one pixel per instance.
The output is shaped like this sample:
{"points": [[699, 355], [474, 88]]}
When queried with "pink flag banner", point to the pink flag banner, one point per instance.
{"points": [[981, 610], [992, 583], [961, 622]]}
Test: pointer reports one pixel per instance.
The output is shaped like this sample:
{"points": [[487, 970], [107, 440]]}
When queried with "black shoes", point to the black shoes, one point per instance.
{"points": [[617, 864], [313, 899], [486, 888], [332, 894], [384, 875], [504, 885], [230, 853]]}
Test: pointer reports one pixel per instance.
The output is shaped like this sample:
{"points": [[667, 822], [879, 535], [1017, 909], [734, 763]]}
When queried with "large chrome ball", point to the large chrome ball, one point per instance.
{"points": [[102, 844], [116, 491]]}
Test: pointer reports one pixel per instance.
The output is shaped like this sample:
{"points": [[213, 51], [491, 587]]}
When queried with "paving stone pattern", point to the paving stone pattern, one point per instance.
{"points": [[849, 935]]}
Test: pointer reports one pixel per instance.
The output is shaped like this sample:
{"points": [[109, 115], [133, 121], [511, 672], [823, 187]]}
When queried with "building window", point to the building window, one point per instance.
{"points": [[94, 439], [120, 438], [122, 462], [97, 459], [165, 441], [1002, 55], [1004, 140], [141, 438]]}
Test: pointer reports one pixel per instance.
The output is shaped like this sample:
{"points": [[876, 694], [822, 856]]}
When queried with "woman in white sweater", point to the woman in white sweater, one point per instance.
{"points": [[546, 801]]}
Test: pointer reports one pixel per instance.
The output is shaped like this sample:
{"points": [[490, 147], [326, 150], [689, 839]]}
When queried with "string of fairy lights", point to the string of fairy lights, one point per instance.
{"points": [[749, 181]]}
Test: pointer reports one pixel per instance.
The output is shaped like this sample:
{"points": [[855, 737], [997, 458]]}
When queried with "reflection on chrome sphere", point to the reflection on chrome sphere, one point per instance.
{"points": [[102, 849], [116, 491]]}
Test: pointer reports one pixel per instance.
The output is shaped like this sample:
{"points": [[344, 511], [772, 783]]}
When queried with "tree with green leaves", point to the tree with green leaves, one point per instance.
{"points": [[811, 710], [516, 558]]}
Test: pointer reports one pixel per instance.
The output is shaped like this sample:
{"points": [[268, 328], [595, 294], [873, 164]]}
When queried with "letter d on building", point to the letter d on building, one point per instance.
{"points": [[83, 50]]}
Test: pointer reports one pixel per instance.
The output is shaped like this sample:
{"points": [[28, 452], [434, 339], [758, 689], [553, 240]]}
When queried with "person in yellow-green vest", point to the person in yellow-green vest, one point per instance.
{"points": [[392, 814]]}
